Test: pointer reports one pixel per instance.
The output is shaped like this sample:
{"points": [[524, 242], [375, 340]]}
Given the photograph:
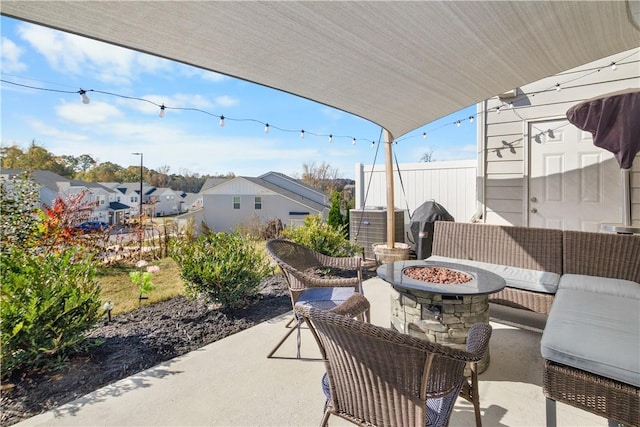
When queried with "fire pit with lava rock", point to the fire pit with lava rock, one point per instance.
{"points": [[439, 275]]}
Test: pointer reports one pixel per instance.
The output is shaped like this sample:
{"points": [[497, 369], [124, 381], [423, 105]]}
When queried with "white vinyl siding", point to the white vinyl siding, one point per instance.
{"points": [[505, 148]]}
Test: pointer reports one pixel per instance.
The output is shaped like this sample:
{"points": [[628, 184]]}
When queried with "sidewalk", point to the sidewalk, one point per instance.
{"points": [[232, 383]]}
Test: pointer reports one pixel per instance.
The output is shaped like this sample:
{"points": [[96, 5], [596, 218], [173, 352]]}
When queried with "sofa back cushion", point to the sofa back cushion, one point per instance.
{"points": [[602, 254], [529, 248]]}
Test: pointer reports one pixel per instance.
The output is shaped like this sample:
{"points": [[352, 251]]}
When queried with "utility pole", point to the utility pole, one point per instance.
{"points": [[141, 233]]}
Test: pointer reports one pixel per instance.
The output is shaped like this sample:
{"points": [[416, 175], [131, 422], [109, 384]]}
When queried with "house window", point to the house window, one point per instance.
{"points": [[257, 202], [236, 202], [134, 199]]}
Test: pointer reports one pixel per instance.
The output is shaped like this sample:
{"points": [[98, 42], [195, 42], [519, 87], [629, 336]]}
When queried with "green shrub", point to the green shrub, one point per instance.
{"points": [[48, 295], [224, 268], [48, 302], [322, 237], [334, 217]]}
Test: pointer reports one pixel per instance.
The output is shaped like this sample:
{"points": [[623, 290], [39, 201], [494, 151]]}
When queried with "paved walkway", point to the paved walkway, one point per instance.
{"points": [[232, 383]]}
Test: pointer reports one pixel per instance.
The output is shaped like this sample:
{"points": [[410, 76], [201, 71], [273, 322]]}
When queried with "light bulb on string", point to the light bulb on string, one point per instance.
{"points": [[161, 115], [222, 121], [510, 105], [373, 144], [458, 123], [470, 119], [266, 128], [330, 139], [424, 135], [613, 66], [302, 134], [498, 110], [558, 87], [353, 141], [85, 98]]}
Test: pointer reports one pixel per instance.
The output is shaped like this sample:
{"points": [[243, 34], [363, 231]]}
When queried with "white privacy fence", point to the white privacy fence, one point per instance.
{"points": [[452, 184]]}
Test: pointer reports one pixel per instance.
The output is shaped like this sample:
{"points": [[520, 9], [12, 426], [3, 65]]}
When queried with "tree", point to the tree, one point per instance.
{"points": [[11, 157], [103, 172], [35, 158], [334, 218], [85, 162], [428, 156], [322, 177]]}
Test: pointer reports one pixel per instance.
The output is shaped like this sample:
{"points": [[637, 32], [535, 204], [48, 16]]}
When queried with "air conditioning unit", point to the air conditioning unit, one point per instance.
{"points": [[369, 226]]}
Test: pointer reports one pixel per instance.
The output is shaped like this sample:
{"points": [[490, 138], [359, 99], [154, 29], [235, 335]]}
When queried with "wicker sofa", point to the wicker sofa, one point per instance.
{"points": [[529, 259], [591, 342]]}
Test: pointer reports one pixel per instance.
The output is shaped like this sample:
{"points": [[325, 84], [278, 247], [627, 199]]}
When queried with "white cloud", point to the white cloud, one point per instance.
{"points": [[226, 101], [332, 113], [11, 54], [95, 112], [71, 54], [213, 77], [56, 133]]}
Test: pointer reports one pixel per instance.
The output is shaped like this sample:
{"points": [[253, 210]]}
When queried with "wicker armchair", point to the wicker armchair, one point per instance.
{"points": [[378, 376], [314, 279]]}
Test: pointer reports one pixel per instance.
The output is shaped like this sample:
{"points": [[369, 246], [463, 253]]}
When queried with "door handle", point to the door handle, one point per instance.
{"points": [[534, 210]]}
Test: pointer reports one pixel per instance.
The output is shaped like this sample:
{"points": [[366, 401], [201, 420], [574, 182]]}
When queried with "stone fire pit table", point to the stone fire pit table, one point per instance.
{"points": [[441, 313]]}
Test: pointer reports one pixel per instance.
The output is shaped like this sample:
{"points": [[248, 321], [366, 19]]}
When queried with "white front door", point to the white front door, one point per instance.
{"points": [[573, 185]]}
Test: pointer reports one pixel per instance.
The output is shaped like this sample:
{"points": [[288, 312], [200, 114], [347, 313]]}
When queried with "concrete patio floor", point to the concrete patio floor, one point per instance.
{"points": [[232, 383]]}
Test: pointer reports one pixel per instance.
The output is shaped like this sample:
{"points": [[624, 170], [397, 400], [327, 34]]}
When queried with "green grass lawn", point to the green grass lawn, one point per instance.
{"points": [[118, 288]]}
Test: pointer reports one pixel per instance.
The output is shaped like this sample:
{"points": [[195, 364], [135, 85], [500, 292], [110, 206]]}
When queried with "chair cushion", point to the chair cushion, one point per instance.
{"points": [[519, 278], [593, 326], [324, 298]]}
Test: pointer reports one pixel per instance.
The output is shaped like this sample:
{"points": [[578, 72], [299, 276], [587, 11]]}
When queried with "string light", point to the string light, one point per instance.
{"points": [[373, 144], [267, 127], [85, 98]]}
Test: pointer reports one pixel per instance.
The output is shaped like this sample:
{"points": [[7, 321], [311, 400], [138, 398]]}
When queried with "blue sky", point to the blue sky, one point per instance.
{"points": [[110, 128]]}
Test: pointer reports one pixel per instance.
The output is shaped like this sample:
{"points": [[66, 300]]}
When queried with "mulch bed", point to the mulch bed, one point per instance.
{"points": [[133, 342]]}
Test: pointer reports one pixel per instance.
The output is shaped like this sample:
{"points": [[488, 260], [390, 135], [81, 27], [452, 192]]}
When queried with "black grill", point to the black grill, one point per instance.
{"points": [[421, 227]]}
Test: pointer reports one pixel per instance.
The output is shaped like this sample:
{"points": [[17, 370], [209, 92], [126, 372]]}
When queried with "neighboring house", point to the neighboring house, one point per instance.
{"points": [[539, 170], [534, 168], [190, 201], [129, 194], [242, 200], [50, 184], [103, 198], [212, 182], [165, 201]]}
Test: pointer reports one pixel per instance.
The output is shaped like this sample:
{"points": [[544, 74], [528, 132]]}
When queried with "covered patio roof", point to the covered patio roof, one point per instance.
{"points": [[398, 64]]}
